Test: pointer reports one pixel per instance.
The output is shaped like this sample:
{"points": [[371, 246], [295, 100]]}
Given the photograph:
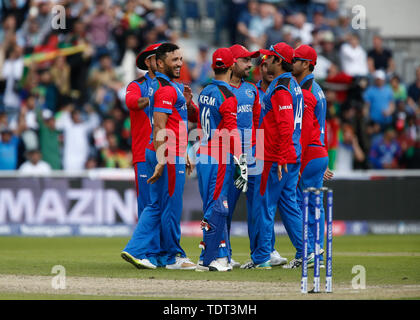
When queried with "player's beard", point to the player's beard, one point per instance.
{"points": [[171, 73]]}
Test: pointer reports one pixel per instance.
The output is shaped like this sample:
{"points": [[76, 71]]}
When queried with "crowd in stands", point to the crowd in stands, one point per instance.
{"points": [[62, 89]]}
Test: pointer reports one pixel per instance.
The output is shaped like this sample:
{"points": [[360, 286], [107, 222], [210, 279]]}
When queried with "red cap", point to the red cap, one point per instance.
{"points": [[146, 53], [222, 58], [281, 50], [239, 51], [305, 52]]}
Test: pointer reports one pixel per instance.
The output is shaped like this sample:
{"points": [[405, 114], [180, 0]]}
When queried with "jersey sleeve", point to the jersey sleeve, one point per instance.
{"points": [[308, 119], [282, 103], [229, 109], [165, 99], [132, 96]]}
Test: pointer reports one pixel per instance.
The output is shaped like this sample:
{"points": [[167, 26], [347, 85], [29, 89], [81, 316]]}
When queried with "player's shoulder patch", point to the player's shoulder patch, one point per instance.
{"points": [[163, 82], [308, 85], [140, 80], [226, 92], [285, 82]]}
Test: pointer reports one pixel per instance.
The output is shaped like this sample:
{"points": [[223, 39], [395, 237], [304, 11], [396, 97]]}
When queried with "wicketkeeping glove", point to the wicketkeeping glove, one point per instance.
{"points": [[241, 173]]}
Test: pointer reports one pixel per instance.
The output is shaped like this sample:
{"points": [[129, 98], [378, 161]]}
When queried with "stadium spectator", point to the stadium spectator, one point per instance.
{"points": [[399, 90], [380, 100], [112, 156], [414, 92], [385, 152], [353, 57], [343, 28], [302, 29], [16, 9], [12, 72], [332, 12], [34, 165], [8, 150], [380, 58], [348, 150], [50, 139], [99, 28], [157, 22], [275, 34], [76, 133]]}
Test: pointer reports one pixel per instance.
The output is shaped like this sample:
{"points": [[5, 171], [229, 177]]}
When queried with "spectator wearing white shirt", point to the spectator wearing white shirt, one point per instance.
{"points": [[302, 29], [353, 57], [12, 72], [76, 137], [34, 165]]}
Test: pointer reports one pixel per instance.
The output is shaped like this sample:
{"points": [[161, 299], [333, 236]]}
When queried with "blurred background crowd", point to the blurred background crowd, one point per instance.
{"points": [[62, 89]]}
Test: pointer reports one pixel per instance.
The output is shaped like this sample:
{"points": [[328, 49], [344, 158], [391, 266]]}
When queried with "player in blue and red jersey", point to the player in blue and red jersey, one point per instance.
{"points": [[276, 134], [138, 96], [314, 146], [262, 85], [220, 140], [159, 225], [248, 114]]}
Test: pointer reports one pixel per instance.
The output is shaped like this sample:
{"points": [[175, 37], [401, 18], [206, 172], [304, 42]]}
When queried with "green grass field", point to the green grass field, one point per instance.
{"points": [[392, 265]]}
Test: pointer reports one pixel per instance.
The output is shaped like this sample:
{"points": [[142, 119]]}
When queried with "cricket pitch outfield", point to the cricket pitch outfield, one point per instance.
{"points": [[388, 265]]}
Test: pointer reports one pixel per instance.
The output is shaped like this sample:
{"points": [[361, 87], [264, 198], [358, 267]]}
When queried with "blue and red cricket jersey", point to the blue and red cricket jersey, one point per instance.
{"points": [[314, 152], [220, 140], [141, 129], [248, 113]]}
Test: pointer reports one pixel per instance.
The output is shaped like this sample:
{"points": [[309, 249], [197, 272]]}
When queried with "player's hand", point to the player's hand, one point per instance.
{"points": [[328, 175], [188, 94], [189, 165], [157, 174], [241, 172], [280, 170], [143, 102]]}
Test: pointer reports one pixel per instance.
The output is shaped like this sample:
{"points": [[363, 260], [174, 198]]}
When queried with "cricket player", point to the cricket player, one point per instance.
{"points": [[276, 132], [138, 96], [248, 115], [314, 146], [262, 85], [161, 218], [218, 107]]}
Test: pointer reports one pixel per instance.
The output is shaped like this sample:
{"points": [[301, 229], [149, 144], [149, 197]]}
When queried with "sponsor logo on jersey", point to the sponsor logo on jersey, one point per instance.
{"points": [[167, 102], [285, 107], [245, 108]]}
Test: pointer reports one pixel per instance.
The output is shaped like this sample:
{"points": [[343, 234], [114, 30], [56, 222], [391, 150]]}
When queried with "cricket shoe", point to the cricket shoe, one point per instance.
{"points": [[138, 263], [276, 259], [234, 264], [311, 263], [297, 262], [220, 264], [181, 263], [262, 266]]}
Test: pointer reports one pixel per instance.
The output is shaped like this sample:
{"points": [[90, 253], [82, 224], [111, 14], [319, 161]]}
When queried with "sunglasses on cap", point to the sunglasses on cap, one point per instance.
{"points": [[294, 60], [274, 50]]}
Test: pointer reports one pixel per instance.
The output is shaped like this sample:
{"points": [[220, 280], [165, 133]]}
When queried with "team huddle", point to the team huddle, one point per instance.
{"points": [[266, 140]]}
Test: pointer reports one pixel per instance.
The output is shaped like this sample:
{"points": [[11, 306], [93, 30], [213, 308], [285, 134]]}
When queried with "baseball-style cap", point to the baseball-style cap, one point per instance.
{"points": [[306, 53], [379, 74], [281, 50], [222, 58], [146, 53], [239, 51]]}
